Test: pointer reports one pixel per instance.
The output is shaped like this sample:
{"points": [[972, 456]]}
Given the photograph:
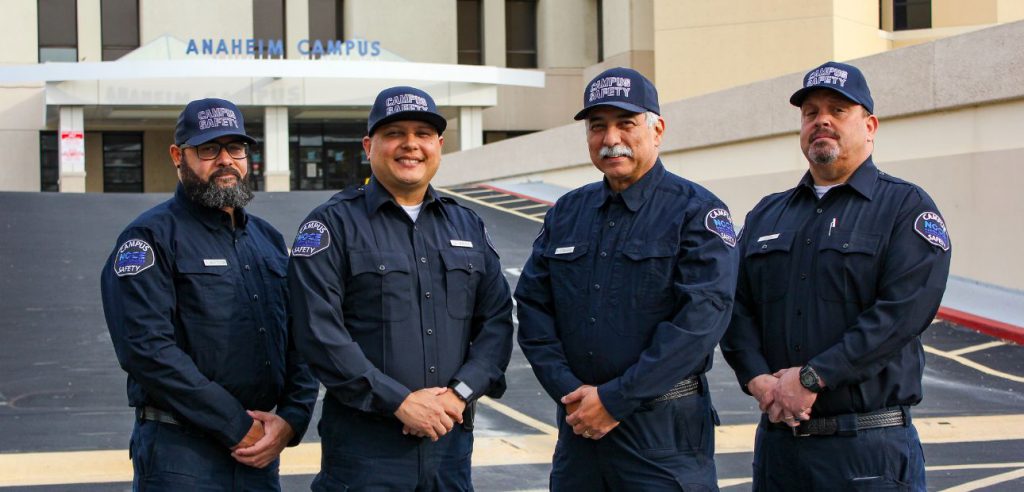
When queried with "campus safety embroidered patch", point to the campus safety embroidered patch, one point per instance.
{"points": [[313, 237], [933, 229], [134, 256], [719, 222]]}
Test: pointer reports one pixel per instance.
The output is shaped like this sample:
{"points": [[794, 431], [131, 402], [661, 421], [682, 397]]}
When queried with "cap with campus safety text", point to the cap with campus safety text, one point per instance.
{"points": [[623, 88], [404, 103], [206, 119], [845, 79]]}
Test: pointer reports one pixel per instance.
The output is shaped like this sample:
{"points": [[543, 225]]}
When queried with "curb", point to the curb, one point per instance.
{"points": [[984, 325]]}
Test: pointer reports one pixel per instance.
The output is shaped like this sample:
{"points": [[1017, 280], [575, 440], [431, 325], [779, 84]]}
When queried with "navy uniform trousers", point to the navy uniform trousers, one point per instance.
{"points": [[888, 458], [169, 457], [667, 445], [377, 445]]}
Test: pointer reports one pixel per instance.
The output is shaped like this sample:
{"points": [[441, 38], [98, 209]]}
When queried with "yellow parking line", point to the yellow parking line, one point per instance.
{"points": [[977, 348], [973, 365], [518, 416]]}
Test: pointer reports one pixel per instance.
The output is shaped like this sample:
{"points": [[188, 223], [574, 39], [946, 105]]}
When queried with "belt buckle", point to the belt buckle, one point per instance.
{"points": [[798, 433]]}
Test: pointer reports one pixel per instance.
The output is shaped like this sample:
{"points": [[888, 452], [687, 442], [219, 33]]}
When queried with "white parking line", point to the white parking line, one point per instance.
{"points": [[973, 365], [988, 481], [485, 204]]}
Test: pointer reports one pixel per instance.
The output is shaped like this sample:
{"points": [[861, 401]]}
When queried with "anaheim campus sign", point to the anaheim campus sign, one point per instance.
{"points": [[269, 48]]}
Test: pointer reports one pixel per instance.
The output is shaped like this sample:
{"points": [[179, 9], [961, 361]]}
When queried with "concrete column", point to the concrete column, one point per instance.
{"points": [[90, 31], [471, 127], [275, 148], [296, 17], [71, 147], [494, 32]]}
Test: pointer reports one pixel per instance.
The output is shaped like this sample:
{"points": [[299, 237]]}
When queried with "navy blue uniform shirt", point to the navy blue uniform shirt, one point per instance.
{"points": [[845, 284], [384, 306], [198, 315], [627, 291]]}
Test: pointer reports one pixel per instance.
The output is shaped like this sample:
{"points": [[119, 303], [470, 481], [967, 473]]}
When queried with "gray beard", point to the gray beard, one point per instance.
{"points": [[823, 155], [210, 194]]}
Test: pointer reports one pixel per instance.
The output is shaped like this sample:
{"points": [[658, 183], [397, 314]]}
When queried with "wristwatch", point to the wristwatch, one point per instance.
{"points": [[461, 390], [809, 379]]}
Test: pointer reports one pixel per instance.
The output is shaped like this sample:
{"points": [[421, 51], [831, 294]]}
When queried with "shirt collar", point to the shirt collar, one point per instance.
{"points": [[212, 218], [862, 180], [637, 193], [377, 195]]}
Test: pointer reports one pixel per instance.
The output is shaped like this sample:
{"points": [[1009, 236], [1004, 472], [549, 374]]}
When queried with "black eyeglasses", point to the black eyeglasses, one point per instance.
{"points": [[210, 150]]}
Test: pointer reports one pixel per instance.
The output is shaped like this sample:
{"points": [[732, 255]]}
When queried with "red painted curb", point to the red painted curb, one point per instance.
{"points": [[532, 199], [987, 326]]}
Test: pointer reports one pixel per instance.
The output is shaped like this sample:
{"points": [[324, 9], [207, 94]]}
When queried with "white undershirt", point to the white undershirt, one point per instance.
{"points": [[413, 210], [821, 190]]}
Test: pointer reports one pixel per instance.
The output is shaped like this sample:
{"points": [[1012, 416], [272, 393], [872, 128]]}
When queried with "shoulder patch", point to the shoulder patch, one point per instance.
{"points": [[313, 237], [134, 256], [933, 229], [719, 222]]}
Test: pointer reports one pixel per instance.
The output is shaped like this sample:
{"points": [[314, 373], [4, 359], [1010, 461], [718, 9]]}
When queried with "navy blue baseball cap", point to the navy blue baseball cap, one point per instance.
{"points": [[622, 88], [404, 103], [840, 77], [206, 119]]}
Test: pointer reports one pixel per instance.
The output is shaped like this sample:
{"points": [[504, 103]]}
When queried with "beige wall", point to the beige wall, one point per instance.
{"points": [[195, 19], [526, 108], [948, 13], [90, 35], [20, 34], [158, 173], [494, 32], [424, 32], [1009, 10], [566, 33], [94, 162], [296, 18], [753, 40], [21, 118]]}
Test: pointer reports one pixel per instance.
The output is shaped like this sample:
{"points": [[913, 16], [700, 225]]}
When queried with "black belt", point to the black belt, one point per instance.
{"points": [[156, 415], [686, 387], [847, 424]]}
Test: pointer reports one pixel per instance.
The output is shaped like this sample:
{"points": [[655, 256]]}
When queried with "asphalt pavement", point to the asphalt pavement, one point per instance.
{"points": [[65, 423]]}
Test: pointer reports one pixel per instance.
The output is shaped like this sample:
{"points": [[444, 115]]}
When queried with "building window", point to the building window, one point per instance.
{"points": [[268, 21], [328, 155], [119, 20], [521, 33], [49, 162], [326, 22], [58, 31], [470, 32], [122, 162], [911, 14]]}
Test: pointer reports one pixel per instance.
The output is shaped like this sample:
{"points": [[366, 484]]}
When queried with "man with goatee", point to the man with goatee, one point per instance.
{"points": [[195, 298]]}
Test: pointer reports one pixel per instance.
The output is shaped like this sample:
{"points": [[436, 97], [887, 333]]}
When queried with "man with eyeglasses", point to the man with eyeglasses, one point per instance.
{"points": [[195, 299]]}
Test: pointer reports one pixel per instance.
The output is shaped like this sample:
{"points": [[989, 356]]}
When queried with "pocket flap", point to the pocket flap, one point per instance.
{"points": [[638, 251], [463, 259], [277, 266], [379, 262], [852, 242], [784, 242]]}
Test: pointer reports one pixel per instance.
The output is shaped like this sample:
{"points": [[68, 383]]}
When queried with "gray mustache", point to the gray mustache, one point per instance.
{"points": [[616, 151]]}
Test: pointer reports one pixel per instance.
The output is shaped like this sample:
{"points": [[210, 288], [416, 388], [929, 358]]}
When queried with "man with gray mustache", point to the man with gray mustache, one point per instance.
{"points": [[627, 291]]}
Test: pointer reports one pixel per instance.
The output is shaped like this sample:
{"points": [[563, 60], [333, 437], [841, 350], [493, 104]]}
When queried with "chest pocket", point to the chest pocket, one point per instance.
{"points": [[647, 276], [569, 272], [847, 266], [463, 270], [205, 293], [767, 265], [275, 275], [380, 288]]}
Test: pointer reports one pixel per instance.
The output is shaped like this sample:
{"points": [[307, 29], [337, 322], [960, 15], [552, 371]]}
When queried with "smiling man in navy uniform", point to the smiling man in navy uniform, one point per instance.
{"points": [[196, 303], [839, 277], [627, 292], [402, 311]]}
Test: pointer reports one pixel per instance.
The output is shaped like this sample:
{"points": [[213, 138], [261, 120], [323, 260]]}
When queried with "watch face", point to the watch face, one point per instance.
{"points": [[807, 379]]}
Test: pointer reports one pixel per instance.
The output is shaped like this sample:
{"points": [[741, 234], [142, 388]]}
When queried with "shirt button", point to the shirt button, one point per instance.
{"points": [[590, 354], [803, 276], [263, 330], [246, 267], [796, 347], [267, 363], [604, 254], [611, 223], [381, 267], [597, 286], [808, 240], [432, 369], [846, 245], [255, 297], [764, 246], [426, 294], [592, 320], [423, 259], [819, 210], [430, 331], [470, 266]]}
